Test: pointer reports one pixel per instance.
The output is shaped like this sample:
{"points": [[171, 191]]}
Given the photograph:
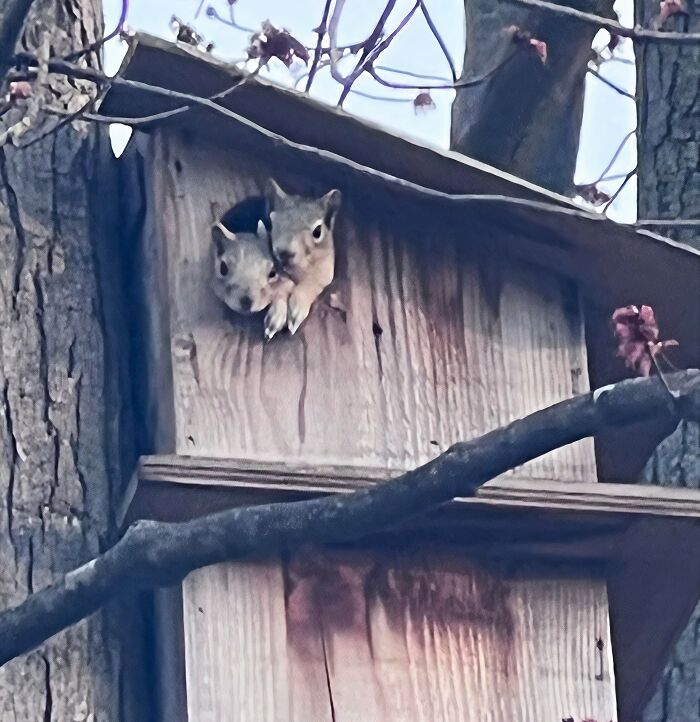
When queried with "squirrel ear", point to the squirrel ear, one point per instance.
{"points": [[331, 204], [273, 194], [222, 237]]}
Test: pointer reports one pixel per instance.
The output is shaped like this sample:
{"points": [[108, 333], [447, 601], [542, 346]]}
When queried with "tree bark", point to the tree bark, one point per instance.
{"points": [[668, 82], [526, 118], [61, 430]]}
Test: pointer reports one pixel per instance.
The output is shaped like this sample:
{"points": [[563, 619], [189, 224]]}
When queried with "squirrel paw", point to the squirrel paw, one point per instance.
{"points": [[298, 311], [275, 320]]}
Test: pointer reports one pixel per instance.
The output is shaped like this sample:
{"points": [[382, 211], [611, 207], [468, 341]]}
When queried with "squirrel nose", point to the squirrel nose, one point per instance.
{"points": [[245, 302], [284, 257]]}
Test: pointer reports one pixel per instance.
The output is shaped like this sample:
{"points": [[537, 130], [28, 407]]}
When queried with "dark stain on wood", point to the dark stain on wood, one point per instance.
{"points": [[334, 591]]}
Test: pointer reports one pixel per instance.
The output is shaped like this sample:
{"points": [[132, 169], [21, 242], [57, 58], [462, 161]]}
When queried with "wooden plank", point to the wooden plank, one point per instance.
{"points": [[284, 478], [235, 644], [426, 354], [395, 637]]}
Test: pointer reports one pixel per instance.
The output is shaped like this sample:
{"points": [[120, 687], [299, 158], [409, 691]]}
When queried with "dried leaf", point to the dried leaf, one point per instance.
{"points": [[667, 9], [592, 194], [423, 101], [523, 37], [185, 33], [271, 42], [540, 48], [637, 335]]}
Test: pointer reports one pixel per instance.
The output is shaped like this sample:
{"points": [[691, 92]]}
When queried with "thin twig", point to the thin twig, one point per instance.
{"points": [[101, 41], [66, 120], [637, 34], [619, 190], [660, 373], [622, 144], [679, 223], [610, 84], [60, 66], [321, 30], [367, 46], [410, 73], [214, 15], [462, 83], [440, 41]]}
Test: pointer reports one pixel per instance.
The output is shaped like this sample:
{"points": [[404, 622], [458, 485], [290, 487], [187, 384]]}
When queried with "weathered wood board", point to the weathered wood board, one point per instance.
{"points": [[439, 341], [396, 637]]}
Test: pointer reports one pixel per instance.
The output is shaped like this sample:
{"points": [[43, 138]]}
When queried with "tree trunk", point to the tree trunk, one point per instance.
{"points": [[526, 118], [61, 419], [668, 81]]}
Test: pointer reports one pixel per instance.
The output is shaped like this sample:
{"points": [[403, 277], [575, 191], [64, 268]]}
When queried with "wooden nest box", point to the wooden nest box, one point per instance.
{"points": [[549, 596]]}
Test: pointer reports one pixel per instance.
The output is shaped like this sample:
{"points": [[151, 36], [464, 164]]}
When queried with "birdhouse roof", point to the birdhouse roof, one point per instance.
{"points": [[615, 264]]}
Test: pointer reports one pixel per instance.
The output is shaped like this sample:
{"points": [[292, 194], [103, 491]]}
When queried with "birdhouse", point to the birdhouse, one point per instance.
{"points": [[461, 299]]}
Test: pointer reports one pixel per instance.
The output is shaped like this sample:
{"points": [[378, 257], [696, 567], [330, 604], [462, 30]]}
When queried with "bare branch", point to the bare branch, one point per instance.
{"points": [[668, 222], [155, 553], [321, 30], [231, 22], [440, 41], [616, 155], [101, 41], [610, 84], [411, 74], [368, 56], [620, 189], [60, 66], [637, 34], [462, 83]]}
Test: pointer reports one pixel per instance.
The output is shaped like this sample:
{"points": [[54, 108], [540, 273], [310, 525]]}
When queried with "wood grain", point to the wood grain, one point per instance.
{"points": [[395, 636], [438, 344]]}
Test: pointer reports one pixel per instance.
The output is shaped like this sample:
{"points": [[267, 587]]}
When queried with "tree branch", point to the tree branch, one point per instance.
{"points": [[610, 84], [322, 29], [156, 553], [85, 73], [636, 34], [439, 39], [371, 54], [13, 13]]}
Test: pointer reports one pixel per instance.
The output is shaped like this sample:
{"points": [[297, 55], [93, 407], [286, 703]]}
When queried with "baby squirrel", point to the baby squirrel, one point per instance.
{"points": [[245, 277], [284, 273], [302, 242]]}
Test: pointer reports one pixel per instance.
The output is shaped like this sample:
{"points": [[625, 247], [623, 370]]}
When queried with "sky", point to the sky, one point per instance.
{"points": [[608, 115]]}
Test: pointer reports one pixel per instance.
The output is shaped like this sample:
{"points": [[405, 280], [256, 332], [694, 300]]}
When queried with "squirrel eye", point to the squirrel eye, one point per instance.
{"points": [[223, 268], [272, 274], [316, 233]]}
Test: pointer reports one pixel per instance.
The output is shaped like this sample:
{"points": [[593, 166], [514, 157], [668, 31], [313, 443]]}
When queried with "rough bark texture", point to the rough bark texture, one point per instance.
{"points": [[526, 118], [60, 421], [668, 83], [669, 187]]}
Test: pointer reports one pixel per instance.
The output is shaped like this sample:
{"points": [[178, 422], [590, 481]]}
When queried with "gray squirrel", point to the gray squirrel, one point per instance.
{"points": [[284, 271], [245, 277], [302, 242]]}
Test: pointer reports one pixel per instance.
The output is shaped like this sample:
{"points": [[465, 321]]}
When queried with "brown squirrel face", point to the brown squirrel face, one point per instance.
{"points": [[244, 273], [300, 227]]}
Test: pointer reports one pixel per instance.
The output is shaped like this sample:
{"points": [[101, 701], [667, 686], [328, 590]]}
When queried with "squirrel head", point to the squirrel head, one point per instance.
{"points": [[244, 273], [300, 226]]}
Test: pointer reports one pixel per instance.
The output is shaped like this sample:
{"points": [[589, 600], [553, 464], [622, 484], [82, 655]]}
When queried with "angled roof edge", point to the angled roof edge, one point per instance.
{"points": [[473, 170]]}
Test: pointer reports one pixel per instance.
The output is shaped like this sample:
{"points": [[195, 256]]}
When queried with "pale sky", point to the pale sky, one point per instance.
{"points": [[608, 116]]}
